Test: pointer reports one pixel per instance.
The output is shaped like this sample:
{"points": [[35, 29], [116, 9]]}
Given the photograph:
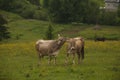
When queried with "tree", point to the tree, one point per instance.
{"points": [[6, 4], [24, 8], [54, 10], [118, 11], [2, 20], [63, 11], [4, 34], [46, 3], [35, 2], [74, 11], [49, 33], [92, 12], [118, 15]]}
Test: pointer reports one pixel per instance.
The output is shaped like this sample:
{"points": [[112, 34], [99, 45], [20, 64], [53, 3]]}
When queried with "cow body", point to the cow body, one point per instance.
{"points": [[75, 46], [49, 48]]}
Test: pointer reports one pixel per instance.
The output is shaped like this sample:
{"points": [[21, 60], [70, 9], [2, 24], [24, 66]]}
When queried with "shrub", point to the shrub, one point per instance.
{"points": [[109, 18], [4, 34], [40, 14], [49, 32]]}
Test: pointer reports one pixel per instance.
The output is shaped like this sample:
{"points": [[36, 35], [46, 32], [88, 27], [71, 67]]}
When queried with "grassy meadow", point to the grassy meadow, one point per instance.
{"points": [[19, 60], [23, 30]]}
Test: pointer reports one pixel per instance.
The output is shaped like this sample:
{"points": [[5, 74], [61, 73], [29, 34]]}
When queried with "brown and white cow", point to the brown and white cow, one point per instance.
{"points": [[75, 46], [49, 48]]}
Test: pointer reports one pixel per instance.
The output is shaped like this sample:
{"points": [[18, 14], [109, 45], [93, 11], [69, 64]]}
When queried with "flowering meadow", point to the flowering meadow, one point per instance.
{"points": [[19, 61]]}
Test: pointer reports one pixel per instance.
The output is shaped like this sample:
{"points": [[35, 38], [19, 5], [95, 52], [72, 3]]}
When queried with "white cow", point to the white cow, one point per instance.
{"points": [[49, 48]]}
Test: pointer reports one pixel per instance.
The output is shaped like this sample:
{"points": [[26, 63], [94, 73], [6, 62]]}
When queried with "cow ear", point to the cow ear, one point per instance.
{"points": [[59, 35]]}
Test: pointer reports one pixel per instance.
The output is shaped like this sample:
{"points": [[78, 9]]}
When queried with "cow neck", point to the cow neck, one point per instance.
{"points": [[55, 46]]}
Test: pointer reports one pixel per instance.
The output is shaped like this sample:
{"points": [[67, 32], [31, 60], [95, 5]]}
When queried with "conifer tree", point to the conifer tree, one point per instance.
{"points": [[49, 33], [4, 34]]}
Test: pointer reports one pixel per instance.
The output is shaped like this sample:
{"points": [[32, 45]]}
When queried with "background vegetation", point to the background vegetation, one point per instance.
{"points": [[63, 11], [23, 29]]}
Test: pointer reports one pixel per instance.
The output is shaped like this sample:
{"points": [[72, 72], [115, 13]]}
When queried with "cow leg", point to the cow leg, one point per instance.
{"points": [[78, 58], [73, 58], [66, 61], [40, 56], [50, 58], [54, 59]]}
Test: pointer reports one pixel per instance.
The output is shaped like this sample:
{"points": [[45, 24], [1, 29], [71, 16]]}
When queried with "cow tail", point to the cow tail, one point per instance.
{"points": [[82, 51]]}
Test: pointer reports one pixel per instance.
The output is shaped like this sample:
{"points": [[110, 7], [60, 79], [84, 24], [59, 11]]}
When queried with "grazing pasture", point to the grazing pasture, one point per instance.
{"points": [[18, 61]]}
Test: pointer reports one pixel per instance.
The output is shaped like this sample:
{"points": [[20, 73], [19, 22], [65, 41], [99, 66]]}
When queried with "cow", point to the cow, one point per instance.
{"points": [[100, 39], [49, 48], [75, 46]]}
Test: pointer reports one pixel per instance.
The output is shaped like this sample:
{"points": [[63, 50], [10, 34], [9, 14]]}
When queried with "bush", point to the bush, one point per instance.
{"points": [[4, 34], [28, 12], [40, 14], [24, 8], [49, 33], [109, 18]]}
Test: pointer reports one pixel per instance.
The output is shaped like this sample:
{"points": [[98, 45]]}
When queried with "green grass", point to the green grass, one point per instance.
{"points": [[27, 28], [23, 30], [18, 58], [10, 16], [19, 61], [109, 32]]}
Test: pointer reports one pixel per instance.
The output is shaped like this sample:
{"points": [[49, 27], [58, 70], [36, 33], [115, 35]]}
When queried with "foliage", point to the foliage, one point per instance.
{"points": [[54, 9], [62, 11], [6, 4], [109, 18], [35, 2], [2, 20], [49, 33], [22, 7], [9, 16], [46, 3], [40, 15], [4, 34], [80, 11], [118, 13], [90, 12]]}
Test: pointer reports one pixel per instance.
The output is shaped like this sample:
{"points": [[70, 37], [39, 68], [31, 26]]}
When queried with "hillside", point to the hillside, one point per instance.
{"points": [[9, 16], [22, 29]]}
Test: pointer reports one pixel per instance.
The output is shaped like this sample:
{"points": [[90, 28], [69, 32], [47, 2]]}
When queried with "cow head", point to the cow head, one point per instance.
{"points": [[61, 40]]}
